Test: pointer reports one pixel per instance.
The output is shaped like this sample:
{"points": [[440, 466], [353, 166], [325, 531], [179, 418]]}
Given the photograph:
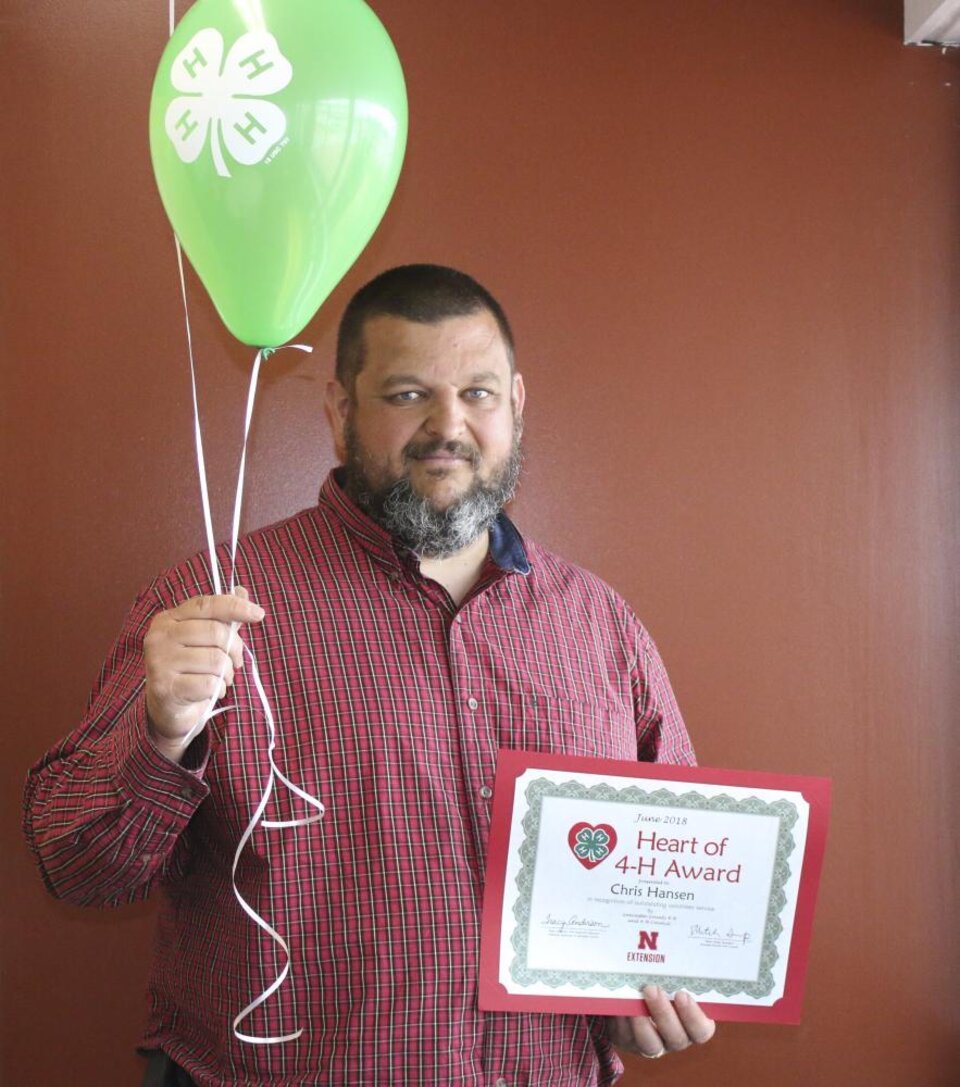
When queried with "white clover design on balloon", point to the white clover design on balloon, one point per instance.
{"points": [[224, 98]]}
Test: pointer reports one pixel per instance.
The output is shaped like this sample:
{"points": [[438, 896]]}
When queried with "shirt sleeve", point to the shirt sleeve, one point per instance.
{"points": [[661, 732], [104, 810]]}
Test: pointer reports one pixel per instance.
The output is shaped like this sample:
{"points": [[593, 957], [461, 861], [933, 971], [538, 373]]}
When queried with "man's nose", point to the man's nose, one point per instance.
{"points": [[445, 418]]}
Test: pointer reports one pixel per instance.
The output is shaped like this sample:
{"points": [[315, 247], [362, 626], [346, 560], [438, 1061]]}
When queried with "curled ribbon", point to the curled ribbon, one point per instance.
{"points": [[275, 774]]}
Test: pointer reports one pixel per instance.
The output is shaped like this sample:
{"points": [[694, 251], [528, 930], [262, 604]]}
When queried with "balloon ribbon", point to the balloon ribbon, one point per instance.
{"points": [[275, 774]]}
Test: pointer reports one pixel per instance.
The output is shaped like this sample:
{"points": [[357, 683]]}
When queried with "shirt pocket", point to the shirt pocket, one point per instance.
{"points": [[567, 726]]}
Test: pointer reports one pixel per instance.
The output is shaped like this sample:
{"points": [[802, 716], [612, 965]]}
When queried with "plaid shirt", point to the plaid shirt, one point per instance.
{"points": [[391, 703]]}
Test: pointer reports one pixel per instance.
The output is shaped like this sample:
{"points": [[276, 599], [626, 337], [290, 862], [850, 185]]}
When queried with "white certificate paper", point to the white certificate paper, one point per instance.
{"points": [[606, 876]]}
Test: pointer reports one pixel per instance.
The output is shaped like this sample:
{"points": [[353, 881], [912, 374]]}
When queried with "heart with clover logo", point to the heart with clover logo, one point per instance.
{"points": [[591, 844]]}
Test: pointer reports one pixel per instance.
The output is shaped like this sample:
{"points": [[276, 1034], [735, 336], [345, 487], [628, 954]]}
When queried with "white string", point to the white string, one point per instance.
{"points": [[210, 712], [274, 771], [237, 506], [253, 1039], [198, 441], [238, 498]]}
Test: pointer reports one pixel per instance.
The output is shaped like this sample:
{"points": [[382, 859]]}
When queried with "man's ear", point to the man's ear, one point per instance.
{"points": [[336, 407], [519, 395]]}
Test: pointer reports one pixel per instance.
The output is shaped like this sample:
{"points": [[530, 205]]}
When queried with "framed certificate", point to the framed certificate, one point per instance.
{"points": [[604, 876]]}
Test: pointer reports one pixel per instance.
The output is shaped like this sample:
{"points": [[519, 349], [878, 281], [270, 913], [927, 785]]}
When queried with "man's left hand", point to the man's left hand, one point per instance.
{"points": [[670, 1026]]}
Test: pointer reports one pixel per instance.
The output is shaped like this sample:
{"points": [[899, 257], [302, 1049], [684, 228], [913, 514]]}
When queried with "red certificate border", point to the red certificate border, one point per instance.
{"points": [[511, 764]]}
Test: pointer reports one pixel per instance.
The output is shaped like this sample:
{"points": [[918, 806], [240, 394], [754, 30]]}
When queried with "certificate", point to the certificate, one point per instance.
{"points": [[604, 876]]}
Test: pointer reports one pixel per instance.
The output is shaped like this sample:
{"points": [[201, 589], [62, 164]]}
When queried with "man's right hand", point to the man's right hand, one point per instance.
{"points": [[191, 653]]}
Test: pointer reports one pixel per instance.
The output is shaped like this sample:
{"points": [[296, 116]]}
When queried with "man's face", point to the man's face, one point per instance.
{"points": [[435, 416]]}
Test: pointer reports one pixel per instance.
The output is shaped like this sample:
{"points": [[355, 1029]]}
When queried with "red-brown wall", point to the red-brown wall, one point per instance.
{"points": [[727, 234]]}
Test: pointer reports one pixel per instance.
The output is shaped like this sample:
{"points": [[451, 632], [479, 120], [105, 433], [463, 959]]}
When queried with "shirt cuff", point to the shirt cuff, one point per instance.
{"points": [[146, 777]]}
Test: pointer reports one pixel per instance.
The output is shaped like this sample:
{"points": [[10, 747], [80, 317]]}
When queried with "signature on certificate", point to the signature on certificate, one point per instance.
{"points": [[716, 936], [573, 926]]}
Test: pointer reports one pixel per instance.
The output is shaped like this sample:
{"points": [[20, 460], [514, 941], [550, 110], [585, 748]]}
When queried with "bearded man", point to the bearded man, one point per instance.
{"points": [[404, 631]]}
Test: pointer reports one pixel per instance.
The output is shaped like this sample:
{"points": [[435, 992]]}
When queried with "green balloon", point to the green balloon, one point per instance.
{"points": [[277, 132]]}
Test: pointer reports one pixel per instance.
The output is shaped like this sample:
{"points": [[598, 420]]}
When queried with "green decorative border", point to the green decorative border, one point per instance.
{"points": [[541, 788]]}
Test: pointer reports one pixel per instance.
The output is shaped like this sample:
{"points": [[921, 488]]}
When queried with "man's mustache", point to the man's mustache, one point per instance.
{"points": [[418, 450]]}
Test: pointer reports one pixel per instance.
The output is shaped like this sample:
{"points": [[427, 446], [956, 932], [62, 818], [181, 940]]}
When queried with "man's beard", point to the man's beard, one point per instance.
{"points": [[410, 518]]}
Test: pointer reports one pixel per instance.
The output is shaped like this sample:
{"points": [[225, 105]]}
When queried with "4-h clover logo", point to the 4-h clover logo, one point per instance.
{"points": [[224, 98], [591, 844]]}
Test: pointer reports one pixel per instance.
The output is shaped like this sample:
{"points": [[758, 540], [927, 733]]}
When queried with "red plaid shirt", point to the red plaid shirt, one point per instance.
{"points": [[391, 703]]}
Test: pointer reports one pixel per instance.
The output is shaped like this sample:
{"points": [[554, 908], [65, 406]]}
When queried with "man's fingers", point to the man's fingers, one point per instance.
{"points": [[191, 654], [670, 1027], [699, 1026], [203, 632], [208, 632], [223, 609], [189, 689], [176, 679], [637, 1034], [235, 650], [680, 1022], [203, 661], [665, 1019]]}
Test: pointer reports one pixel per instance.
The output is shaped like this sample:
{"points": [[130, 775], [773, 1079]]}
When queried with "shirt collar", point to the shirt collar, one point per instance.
{"points": [[507, 548]]}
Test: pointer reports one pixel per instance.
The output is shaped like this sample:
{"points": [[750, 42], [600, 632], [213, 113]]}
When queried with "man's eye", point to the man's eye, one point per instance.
{"points": [[408, 396], [478, 394]]}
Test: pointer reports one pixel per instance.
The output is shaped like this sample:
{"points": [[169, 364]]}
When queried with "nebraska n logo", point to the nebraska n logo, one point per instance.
{"points": [[648, 941]]}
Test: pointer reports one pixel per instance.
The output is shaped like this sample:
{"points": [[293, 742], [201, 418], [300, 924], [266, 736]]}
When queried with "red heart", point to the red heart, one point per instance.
{"points": [[600, 851]]}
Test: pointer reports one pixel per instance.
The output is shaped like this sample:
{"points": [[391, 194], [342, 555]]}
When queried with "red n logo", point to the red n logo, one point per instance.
{"points": [[648, 940]]}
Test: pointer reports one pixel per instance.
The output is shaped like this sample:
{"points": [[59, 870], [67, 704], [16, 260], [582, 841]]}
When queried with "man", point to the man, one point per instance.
{"points": [[404, 632]]}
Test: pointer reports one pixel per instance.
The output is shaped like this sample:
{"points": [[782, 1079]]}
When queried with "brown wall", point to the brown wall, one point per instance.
{"points": [[728, 237]]}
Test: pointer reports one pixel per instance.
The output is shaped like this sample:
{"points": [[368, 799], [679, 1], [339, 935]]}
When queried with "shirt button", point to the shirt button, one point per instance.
{"points": [[186, 792], [501, 1082], [472, 703], [486, 792]]}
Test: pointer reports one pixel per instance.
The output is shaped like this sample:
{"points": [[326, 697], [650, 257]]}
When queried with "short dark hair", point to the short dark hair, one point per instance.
{"points": [[426, 293]]}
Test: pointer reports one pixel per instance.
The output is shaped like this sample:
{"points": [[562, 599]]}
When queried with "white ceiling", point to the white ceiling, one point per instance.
{"points": [[931, 22]]}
